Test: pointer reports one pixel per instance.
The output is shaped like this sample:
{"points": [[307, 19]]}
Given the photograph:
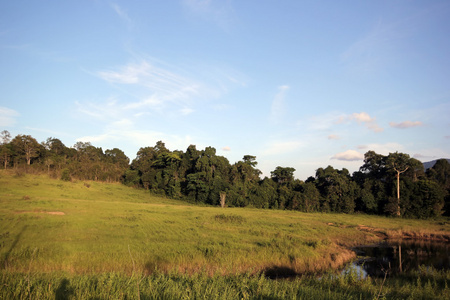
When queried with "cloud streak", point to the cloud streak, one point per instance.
{"points": [[7, 116], [159, 86], [220, 12], [122, 14], [278, 104], [405, 124]]}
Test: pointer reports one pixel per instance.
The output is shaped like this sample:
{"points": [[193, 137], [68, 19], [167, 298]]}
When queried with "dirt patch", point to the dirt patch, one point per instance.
{"points": [[59, 213]]}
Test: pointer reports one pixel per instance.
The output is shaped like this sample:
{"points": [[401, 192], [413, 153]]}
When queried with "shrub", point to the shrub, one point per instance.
{"points": [[65, 175]]}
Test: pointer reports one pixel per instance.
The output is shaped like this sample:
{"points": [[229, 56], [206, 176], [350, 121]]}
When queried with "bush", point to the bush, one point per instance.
{"points": [[65, 175]]}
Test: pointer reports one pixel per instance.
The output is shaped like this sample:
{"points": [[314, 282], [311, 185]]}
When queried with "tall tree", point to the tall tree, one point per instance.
{"points": [[5, 147], [399, 163], [27, 146]]}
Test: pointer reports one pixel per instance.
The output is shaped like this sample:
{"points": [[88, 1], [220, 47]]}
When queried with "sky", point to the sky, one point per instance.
{"points": [[302, 84]]}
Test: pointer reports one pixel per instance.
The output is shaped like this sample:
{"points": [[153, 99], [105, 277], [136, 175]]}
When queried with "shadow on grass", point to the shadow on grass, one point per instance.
{"points": [[4, 262], [64, 290], [279, 272]]}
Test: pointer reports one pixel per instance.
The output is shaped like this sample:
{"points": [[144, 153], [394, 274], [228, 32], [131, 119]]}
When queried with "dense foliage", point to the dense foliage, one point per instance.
{"points": [[393, 185]]}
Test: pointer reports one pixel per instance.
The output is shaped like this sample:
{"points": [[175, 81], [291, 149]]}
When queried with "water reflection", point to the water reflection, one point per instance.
{"points": [[400, 256]]}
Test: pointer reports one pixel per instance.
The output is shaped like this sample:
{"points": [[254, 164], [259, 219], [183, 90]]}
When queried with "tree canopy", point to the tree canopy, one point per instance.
{"points": [[393, 184]]}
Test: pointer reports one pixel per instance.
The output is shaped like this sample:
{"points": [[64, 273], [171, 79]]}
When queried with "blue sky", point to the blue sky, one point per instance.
{"points": [[302, 84]]}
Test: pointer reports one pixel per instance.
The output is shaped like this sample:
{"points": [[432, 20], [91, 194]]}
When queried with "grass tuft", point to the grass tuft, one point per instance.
{"points": [[229, 219]]}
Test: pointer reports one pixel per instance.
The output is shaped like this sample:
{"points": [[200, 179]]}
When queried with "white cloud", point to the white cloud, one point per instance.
{"points": [[349, 155], [405, 124], [7, 116], [278, 106], [370, 122], [361, 118], [383, 149], [226, 148]]}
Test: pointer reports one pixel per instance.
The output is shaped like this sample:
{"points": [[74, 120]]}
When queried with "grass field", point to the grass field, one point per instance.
{"points": [[86, 230]]}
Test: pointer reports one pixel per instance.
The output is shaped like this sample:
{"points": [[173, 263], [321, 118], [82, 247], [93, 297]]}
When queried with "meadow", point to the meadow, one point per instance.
{"points": [[62, 239]]}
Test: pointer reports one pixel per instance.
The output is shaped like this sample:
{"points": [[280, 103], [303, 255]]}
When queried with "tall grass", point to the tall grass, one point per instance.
{"points": [[203, 286]]}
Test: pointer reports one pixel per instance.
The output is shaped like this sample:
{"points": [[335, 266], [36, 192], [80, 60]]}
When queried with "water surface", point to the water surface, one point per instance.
{"points": [[398, 256]]}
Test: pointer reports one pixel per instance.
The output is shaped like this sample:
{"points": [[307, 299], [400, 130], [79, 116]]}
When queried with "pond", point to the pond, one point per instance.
{"points": [[398, 256]]}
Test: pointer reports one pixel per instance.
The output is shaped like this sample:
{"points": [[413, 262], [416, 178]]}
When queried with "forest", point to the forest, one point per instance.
{"points": [[393, 185]]}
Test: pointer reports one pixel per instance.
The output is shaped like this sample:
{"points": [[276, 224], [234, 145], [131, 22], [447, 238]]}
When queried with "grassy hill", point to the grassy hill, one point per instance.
{"points": [[90, 228]]}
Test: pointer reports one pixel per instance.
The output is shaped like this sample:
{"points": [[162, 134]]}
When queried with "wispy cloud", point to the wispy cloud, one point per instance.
{"points": [[377, 48], [324, 121], [226, 148], [47, 131], [122, 14], [155, 88], [405, 124], [107, 110], [349, 155], [7, 116], [149, 92], [219, 12], [277, 109], [334, 137]]}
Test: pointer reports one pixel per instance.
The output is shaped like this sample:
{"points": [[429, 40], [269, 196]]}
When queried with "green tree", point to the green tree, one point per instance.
{"points": [[5, 147], [440, 173], [311, 197], [398, 163], [26, 146], [426, 200], [283, 175], [337, 190]]}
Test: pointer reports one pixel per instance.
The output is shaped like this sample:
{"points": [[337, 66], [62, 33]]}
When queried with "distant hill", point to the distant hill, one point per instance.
{"points": [[427, 165]]}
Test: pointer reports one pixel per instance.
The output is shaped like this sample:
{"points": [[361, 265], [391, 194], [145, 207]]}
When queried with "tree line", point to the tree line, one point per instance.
{"points": [[395, 184]]}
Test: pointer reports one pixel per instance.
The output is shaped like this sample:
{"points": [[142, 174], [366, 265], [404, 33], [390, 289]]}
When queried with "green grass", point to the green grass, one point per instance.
{"points": [[87, 230], [425, 285]]}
